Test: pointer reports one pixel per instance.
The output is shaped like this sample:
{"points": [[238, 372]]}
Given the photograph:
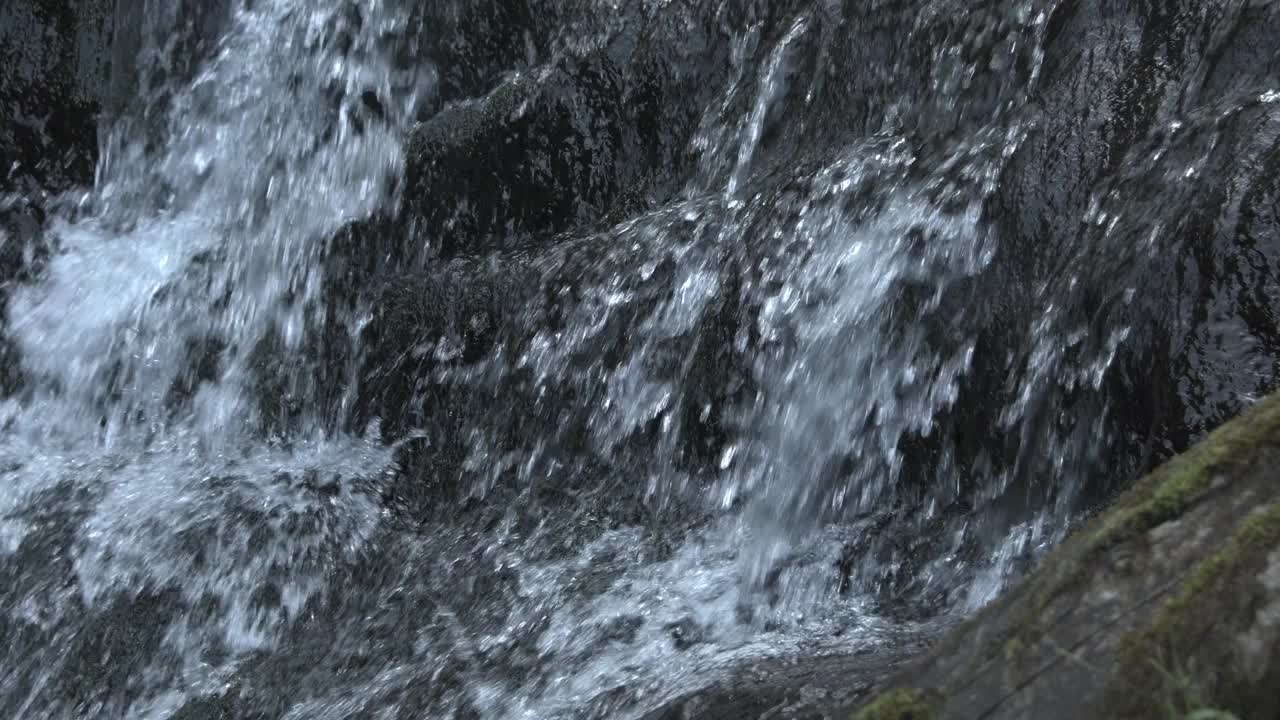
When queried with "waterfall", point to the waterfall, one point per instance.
{"points": [[558, 358]]}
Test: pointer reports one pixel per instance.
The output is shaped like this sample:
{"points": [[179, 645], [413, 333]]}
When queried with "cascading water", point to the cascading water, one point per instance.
{"points": [[192, 245], [768, 400], [127, 427]]}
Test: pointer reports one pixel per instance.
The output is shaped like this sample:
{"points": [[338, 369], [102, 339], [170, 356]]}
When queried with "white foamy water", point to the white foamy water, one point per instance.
{"points": [[293, 128]]}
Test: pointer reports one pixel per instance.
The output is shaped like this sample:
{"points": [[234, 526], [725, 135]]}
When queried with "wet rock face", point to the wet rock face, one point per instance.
{"points": [[423, 331], [471, 44], [581, 128], [24, 249], [56, 59], [1130, 95], [99, 658], [601, 216], [539, 154], [616, 119]]}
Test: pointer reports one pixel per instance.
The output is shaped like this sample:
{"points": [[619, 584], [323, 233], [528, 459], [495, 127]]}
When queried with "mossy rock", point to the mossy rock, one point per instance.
{"points": [[1166, 605], [899, 704]]}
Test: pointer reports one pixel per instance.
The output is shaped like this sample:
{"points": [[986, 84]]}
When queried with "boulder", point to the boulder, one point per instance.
{"points": [[1166, 604], [471, 43], [549, 149], [532, 156], [1096, 225], [793, 689]]}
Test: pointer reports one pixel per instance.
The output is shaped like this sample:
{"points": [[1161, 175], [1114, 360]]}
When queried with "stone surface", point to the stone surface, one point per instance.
{"points": [[56, 55], [1160, 606], [1129, 94], [803, 689]]}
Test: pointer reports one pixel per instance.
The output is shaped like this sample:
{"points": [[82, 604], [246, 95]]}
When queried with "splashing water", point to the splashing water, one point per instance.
{"points": [[293, 128]]}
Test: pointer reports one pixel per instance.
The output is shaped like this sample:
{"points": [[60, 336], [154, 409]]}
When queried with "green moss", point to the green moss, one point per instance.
{"points": [[1256, 536], [1209, 714], [1143, 683], [1014, 647], [1182, 627], [899, 704], [1174, 487]]}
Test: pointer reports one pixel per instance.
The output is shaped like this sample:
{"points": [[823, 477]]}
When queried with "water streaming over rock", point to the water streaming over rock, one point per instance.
{"points": [[552, 359]]}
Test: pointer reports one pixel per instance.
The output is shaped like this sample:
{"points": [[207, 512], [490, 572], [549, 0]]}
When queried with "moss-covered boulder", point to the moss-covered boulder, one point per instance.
{"points": [[1165, 605]]}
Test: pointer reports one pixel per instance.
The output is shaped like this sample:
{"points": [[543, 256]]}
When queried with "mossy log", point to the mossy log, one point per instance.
{"points": [[1164, 606]]}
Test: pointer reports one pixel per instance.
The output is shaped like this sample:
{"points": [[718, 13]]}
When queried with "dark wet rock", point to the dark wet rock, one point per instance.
{"points": [[547, 150], [1140, 206], [791, 688], [25, 246], [600, 136], [449, 316], [536, 146], [155, 50], [556, 150], [471, 44], [424, 334], [34, 575], [623, 629], [409, 601], [1166, 603], [219, 708], [1130, 95], [102, 660], [56, 59], [103, 643]]}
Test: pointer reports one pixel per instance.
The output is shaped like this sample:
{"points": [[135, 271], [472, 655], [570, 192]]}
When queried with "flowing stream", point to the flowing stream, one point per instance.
{"points": [[574, 475]]}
